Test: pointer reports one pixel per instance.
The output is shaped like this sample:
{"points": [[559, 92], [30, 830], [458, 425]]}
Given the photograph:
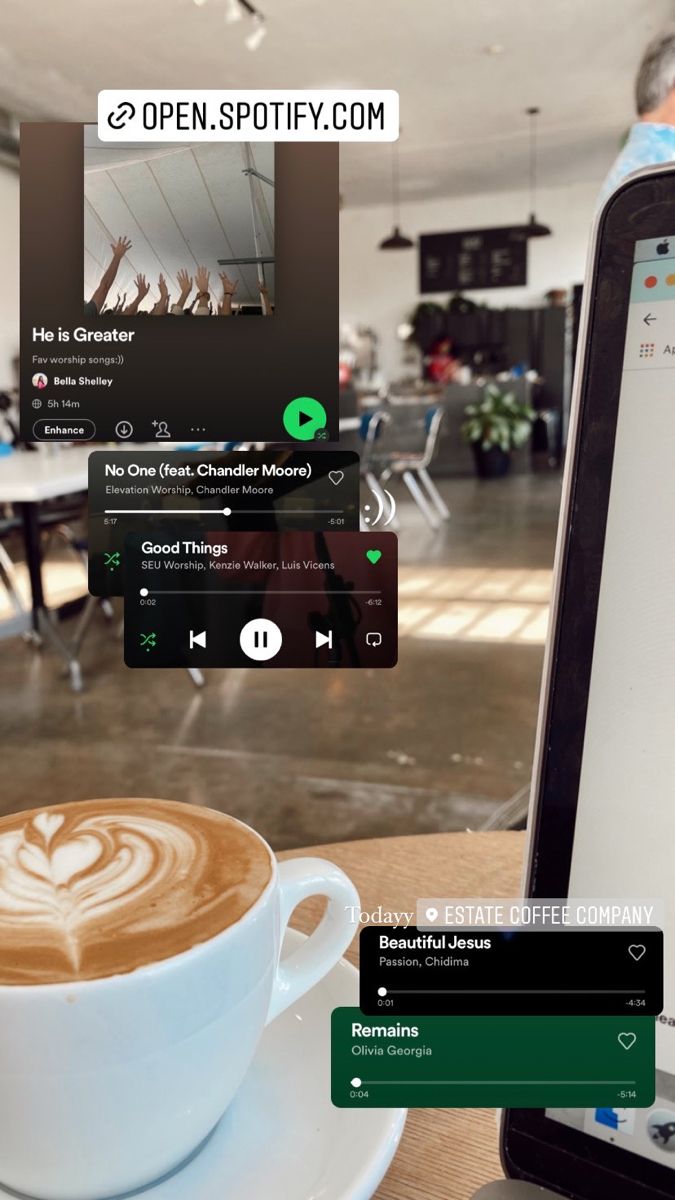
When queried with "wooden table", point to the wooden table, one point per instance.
{"points": [[445, 1154]]}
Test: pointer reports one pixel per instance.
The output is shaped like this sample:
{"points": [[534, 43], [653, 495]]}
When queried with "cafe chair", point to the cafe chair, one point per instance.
{"points": [[79, 547], [412, 466]]}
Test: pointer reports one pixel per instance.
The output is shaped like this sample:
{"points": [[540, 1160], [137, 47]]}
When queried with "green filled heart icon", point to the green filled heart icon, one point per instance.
{"points": [[373, 556]]}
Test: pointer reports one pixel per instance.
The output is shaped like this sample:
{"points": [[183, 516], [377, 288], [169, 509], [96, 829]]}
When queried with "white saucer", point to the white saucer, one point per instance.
{"points": [[281, 1138]]}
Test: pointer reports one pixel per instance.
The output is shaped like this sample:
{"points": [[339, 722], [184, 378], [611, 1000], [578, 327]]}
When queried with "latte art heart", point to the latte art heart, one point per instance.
{"points": [[65, 876], [102, 887]]}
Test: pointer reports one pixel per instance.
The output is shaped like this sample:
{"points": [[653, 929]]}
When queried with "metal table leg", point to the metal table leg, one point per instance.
{"points": [[31, 539]]}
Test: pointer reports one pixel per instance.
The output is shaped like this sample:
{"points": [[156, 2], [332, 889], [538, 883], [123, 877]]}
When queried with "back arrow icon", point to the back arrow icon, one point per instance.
{"points": [[648, 319]]}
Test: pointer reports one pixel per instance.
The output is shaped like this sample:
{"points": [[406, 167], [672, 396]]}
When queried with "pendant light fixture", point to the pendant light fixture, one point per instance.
{"points": [[236, 10], [534, 228], [396, 239]]}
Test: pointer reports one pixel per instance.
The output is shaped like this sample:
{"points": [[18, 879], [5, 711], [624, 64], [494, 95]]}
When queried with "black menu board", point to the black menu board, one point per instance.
{"points": [[474, 258]]}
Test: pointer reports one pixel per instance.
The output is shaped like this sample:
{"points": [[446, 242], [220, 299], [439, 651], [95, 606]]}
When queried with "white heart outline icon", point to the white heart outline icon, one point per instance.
{"points": [[336, 477], [636, 952], [627, 1040]]}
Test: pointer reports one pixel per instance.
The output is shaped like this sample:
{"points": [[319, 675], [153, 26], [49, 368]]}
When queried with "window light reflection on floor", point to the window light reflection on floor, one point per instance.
{"points": [[494, 604]]}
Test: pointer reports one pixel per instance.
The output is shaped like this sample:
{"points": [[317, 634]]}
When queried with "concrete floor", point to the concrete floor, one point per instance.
{"points": [[436, 744]]}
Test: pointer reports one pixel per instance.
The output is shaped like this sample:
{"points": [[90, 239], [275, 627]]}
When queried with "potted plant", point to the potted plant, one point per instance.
{"points": [[494, 426]]}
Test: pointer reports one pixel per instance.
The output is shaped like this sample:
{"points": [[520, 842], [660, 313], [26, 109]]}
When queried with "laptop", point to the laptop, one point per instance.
{"points": [[602, 820]]}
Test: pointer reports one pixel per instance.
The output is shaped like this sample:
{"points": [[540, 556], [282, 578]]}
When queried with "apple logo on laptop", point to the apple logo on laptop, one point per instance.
{"points": [[663, 247]]}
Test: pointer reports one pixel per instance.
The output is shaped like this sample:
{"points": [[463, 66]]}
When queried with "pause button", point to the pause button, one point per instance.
{"points": [[260, 639]]}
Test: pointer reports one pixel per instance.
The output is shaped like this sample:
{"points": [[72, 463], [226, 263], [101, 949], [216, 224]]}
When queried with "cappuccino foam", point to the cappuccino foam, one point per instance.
{"points": [[102, 887]]}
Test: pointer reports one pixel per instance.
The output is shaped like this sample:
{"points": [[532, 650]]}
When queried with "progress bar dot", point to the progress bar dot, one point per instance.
{"points": [[356, 1082], [381, 991], [227, 512], [144, 591]]}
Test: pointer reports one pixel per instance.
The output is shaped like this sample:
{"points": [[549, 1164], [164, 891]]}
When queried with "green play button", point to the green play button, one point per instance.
{"points": [[304, 418]]}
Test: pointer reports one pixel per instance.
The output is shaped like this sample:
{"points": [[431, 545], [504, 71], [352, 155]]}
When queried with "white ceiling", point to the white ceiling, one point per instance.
{"points": [[461, 108], [181, 207]]}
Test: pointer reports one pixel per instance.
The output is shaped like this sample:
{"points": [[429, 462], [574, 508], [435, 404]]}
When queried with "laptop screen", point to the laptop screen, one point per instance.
{"points": [[625, 822]]}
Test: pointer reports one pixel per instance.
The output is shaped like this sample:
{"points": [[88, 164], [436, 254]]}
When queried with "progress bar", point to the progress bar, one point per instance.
{"points": [[512, 992], [491, 1082], [257, 592], [223, 512]]}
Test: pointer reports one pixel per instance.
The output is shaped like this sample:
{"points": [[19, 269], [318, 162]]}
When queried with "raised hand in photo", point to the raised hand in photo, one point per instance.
{"points": [[229, 285], [265, 300], [120, 247], [202, 278], [229, 288], [185, 285], [142, 289], [162, 305], [184, 282], [94, 306]]}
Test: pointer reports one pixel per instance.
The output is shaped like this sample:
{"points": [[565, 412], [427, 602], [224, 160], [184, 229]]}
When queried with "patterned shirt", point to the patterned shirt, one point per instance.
{"points": [[647, 144]]}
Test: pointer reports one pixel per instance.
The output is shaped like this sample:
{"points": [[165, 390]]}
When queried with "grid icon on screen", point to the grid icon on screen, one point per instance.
{"points": [[647, 349]]}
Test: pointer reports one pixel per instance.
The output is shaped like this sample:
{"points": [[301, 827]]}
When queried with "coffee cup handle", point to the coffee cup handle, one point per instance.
{"points": [[300, 878]]}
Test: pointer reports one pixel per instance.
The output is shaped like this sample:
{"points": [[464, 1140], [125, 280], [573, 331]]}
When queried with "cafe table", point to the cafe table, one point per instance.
{"points": [[27, 480], [445, 1154]]}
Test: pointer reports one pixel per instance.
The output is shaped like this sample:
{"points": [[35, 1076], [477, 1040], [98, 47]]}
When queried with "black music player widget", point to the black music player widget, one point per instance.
{"points": [[267, 599]]}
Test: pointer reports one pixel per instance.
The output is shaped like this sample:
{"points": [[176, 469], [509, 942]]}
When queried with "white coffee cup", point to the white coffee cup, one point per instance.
{"points": [[108, 1084]]}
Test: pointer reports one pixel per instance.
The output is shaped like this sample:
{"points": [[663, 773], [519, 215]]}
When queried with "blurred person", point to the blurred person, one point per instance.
{"points": [[441, 364], [652, 138], [94, 306]]}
